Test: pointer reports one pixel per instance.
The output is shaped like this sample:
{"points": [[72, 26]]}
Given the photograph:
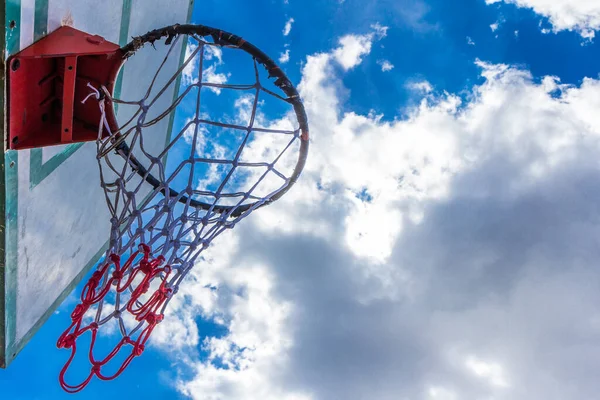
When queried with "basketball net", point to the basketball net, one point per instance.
{"points": [[160, 219]]}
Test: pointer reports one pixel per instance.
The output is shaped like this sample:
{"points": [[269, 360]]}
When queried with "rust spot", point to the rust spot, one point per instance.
{"points": [[304, 135]]}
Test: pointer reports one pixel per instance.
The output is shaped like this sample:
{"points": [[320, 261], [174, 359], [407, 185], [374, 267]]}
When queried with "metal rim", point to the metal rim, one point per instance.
{"points": [[223, 38]]}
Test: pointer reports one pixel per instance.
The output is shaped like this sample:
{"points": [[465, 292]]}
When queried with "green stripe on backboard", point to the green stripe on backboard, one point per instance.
{"points": [[3, 24], [125, 22], [13, 37], [39, 171], [10, 43], [40, 22], [123, 40], [177, 83], [11, 259]]}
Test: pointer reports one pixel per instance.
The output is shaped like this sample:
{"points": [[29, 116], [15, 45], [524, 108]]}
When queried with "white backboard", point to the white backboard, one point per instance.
{"points": [[55, 225]]}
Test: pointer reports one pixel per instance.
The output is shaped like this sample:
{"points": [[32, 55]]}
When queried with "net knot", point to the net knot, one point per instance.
{"points": [[117, 274], [78, 312], [146, 267], [96, 369], [94, 93], [143, 288], [67, 342], [95, 279], [138, 349], [154, 319], [87, 301]]}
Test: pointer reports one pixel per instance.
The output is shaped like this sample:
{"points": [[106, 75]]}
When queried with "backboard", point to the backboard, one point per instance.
{"points": [[54, 223]]}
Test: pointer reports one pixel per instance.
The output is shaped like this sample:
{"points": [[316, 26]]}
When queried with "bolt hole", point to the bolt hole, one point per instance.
{"points": [[66, 129], [15, 140], [44, 117], [70, 67], [16, 64], [12, 164], [12, 24]]}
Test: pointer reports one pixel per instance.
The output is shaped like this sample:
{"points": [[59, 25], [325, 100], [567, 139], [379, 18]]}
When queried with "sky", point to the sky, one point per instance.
{"points": [[442, 241]]}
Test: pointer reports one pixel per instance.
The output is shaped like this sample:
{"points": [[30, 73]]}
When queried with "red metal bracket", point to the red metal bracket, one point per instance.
{"points": [[47, 82]]}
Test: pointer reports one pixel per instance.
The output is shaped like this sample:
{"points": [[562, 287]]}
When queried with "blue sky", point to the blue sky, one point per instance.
{"points": [[441, 243]]}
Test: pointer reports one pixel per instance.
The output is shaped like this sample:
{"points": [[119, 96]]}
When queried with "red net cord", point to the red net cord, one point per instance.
{"points": [[148, 312]]}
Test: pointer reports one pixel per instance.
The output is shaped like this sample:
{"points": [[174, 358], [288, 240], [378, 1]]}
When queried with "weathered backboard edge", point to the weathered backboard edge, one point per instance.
{"points": [[10, 10], [4, 49]]}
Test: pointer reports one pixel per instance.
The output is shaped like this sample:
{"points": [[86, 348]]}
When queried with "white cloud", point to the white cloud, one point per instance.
{"points": [[380, 30], [414, 255], [288, 27], [421, 87], [582, 16], [385, 65], [494, 27], [284, 57], [439, 393], [354, 47], [190, 72], [213, 53], [491, 372], [470, 41], [209, 74]]}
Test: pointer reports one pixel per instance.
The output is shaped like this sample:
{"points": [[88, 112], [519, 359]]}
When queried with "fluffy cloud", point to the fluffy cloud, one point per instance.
{"points": [[420, 87], [582, 16], [284, 57], [354, 47], [213, 59], [417, 257], [288, 27], [385, 65]]}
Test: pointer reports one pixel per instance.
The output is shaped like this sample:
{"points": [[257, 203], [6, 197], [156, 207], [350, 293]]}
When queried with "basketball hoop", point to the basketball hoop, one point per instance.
{"points": [[161, 218]]}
